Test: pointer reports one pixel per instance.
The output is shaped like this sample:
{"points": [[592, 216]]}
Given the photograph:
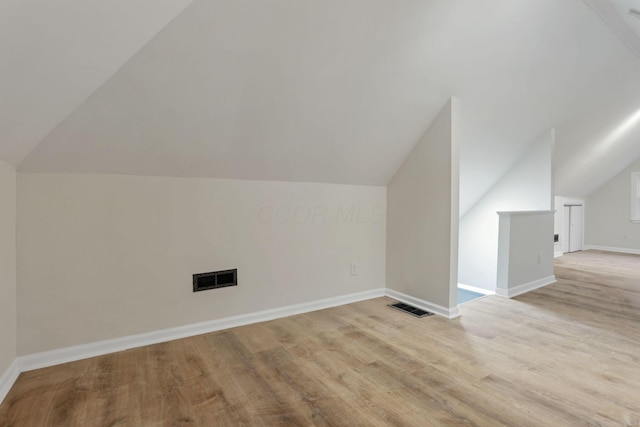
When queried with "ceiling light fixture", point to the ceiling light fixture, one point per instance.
{"points": [[634, 12]]}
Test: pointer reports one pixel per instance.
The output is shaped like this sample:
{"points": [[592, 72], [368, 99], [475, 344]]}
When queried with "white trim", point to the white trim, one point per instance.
{"points": [[70, 354], [523, 213], [525, 287], [8, 378], [612, 249], [557, 254], [475, 289], [449, 313]]}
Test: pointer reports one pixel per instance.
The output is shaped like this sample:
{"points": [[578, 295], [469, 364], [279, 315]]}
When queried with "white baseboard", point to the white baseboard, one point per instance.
{"points": [[525, 287], [557, 254], [450, 313], [476, 289], [612, 249], [99, 348], [70, 354], [8, 378]]}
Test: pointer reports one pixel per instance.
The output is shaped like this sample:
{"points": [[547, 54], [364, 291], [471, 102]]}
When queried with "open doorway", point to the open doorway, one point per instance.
{"points": [[468, 293]]}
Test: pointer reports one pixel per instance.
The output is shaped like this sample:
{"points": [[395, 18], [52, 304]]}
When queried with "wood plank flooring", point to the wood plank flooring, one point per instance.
{"points": [[564, 355]]}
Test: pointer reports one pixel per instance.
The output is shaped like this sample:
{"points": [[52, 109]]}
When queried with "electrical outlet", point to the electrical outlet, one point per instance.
{"points": [[354, 269]]}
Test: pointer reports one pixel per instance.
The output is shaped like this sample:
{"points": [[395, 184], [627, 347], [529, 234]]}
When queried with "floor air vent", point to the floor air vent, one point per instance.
{"points": [[215, 280], [410, 309]]}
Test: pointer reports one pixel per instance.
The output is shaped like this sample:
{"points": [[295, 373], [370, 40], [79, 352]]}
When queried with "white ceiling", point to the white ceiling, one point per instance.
{"points": [[623, 7], [594, 146], [615, 14], [54, 54], [326, 91]]}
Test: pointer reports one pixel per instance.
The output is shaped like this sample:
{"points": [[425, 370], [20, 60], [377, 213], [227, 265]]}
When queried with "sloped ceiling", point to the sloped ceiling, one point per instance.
{"points": [[622, 7], [596, 145], [54, 54], [323, 91]]}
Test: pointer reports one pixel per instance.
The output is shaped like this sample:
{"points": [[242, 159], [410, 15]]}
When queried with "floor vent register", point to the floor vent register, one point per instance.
{"points": [[410, 309]]}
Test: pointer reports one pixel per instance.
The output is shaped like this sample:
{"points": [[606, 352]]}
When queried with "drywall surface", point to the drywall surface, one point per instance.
{"points": [[525, 250], [105, 256], [527, 186], [7, 265], [608, 214], [422, 212]]}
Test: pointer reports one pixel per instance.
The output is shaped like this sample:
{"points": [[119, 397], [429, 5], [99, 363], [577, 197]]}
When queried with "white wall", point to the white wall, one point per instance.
{"points": [[607, 214], [7, 265], [422, 213], [103, 256], [525, 251], [527, 186]]}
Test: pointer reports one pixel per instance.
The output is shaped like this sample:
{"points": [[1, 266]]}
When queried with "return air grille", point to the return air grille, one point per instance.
{"points": [[410, 309], [215, 280]]}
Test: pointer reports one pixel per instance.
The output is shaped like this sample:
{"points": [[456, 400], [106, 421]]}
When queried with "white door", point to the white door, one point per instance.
{"points": [[566, 226], [575, 229]]}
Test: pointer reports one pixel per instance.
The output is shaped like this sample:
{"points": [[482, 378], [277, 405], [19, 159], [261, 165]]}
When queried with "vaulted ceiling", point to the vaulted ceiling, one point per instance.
{"points": [[323, 91]]}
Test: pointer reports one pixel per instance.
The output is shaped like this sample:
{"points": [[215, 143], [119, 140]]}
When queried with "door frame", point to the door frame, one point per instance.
{"points": [[566, 202]]}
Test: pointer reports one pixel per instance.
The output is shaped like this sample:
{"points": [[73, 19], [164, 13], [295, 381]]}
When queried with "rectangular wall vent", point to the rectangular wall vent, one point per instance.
{"points": [[215, 280]]}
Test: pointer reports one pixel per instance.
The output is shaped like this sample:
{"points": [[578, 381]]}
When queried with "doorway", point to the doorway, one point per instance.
{"points": [[572, 228]]}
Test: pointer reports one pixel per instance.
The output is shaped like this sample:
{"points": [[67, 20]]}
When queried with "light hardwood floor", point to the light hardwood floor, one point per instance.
{"points": [[564, 355]]}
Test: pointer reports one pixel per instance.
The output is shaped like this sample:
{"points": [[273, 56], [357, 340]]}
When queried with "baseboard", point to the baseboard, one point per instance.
{"points": [[450, 313], [612, 249], [475, 289], [557, 254], [525, 287], [8, 378], [70, 354]]}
